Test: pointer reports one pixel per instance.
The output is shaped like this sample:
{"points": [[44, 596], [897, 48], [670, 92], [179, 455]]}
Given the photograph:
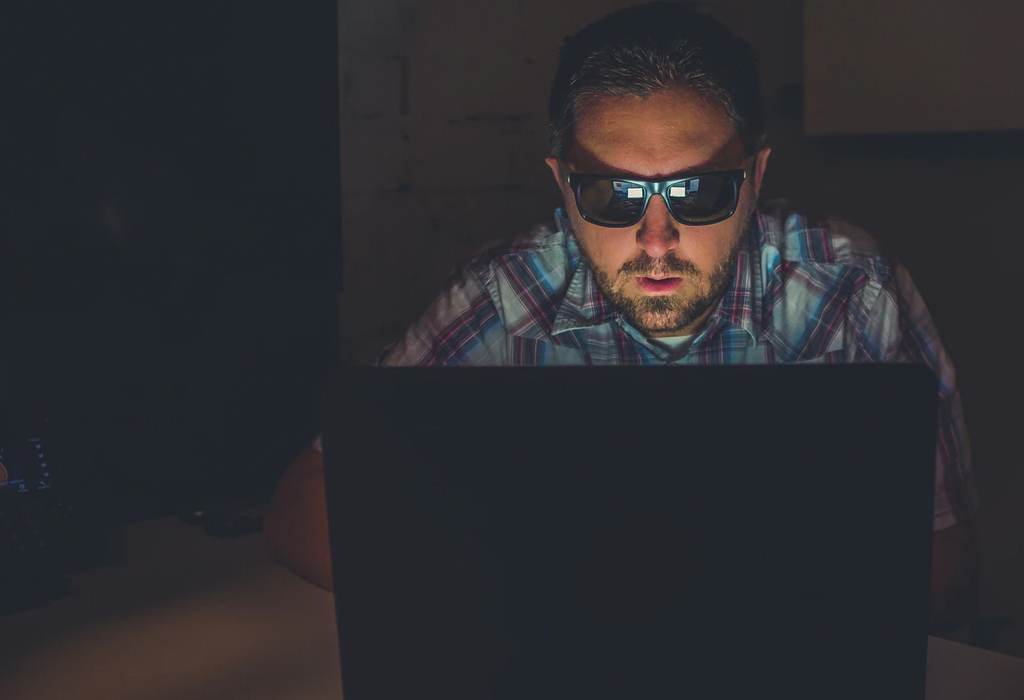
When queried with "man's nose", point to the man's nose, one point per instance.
{"points": [[657, 234]]}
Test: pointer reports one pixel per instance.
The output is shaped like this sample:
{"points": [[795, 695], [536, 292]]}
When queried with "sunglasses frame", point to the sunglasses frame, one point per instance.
{"points": [[657, 187]]}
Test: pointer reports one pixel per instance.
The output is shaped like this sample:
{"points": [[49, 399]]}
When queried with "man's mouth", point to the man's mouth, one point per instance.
{"points": [[658, 285]]}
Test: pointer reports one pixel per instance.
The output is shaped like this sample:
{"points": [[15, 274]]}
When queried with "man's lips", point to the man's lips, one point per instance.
{"points": [[658, 285]]}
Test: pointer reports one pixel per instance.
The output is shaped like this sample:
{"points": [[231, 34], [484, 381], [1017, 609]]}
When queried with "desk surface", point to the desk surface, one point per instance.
{"points": [[191, 616]]}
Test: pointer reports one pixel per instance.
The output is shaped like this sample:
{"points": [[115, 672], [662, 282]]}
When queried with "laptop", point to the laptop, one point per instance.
{"points": [[632, 532]]}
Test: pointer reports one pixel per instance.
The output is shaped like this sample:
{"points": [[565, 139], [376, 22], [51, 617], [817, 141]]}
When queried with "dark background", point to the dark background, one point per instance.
{"points": [[169, 237]]}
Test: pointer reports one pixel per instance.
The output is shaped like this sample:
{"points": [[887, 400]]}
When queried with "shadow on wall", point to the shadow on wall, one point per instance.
{"points": [[167, 336], [169, 261]]}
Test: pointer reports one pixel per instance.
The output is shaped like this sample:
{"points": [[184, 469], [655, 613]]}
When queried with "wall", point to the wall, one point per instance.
{"points": [[922, 72], [443, 122]]}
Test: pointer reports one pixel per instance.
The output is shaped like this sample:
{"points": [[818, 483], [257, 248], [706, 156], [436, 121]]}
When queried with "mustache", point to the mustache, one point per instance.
{"points": [[646, 266]]}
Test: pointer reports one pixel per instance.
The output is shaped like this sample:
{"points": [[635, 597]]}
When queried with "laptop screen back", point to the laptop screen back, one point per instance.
{"points": [[711, 532]]}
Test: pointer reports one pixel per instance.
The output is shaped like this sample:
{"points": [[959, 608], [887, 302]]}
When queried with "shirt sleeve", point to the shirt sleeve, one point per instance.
{"points": [[899, 328], [461, 327]]}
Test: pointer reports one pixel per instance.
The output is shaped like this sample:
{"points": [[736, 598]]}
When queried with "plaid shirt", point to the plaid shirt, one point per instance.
{"points": [[804, 291]]}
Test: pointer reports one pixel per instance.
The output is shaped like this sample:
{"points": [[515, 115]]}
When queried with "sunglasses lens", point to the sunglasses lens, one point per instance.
{"points": [[611, 202], [701, 200], [694, 201]]}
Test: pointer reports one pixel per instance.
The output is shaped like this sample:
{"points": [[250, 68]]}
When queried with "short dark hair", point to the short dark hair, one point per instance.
{"points": [[641, 50]]}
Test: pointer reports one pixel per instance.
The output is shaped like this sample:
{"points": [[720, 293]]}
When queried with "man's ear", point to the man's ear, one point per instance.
{"points": [[556, 170], [760, 165]]}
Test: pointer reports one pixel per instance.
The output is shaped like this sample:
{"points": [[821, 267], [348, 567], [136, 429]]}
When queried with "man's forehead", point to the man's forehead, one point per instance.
{"points": [[658, 136]]}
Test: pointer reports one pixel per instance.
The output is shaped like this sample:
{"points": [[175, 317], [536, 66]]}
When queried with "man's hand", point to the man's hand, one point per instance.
{"points": [[295, 525], [955, 566]]}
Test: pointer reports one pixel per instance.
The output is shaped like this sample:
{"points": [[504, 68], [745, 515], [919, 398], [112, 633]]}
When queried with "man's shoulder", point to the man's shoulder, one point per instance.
{"points": [[821, 278], [527, 278], [800, 236], [537, 264], [544, 245]]}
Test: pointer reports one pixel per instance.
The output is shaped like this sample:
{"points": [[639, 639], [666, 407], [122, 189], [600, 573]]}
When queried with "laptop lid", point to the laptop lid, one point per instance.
{"points": [[711, 532]]}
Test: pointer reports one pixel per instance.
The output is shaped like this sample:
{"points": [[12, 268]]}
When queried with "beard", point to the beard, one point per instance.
{"points": [[670, 313]]}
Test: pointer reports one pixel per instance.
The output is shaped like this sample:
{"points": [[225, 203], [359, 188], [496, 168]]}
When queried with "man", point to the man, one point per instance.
{"points": [[663, 254]]}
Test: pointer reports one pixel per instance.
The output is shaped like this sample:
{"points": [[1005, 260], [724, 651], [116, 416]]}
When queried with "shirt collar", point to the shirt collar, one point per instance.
{"points": [[584, 306], [741, 304]]}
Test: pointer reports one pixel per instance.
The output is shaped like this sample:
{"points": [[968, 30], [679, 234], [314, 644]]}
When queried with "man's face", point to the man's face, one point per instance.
{"points": [[653, 138]]}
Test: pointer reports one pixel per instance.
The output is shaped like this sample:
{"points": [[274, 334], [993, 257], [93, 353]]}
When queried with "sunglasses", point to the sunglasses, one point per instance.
{"points": [[696, 200]]}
